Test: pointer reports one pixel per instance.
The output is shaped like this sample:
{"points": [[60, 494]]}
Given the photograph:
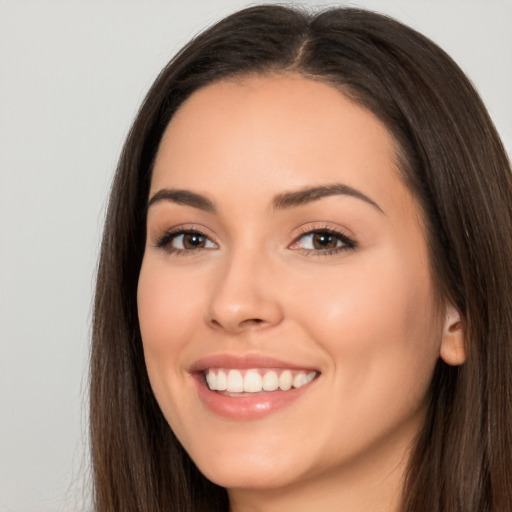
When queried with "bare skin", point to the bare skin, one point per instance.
{"points": [[296, 240]]}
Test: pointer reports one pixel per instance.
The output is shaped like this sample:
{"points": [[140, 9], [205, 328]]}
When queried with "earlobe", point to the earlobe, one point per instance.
{"points": [[453, 344]]}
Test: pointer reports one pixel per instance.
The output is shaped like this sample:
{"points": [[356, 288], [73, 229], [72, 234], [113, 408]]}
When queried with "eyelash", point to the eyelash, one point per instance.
{"points": [[164, 242], [348, 243]]}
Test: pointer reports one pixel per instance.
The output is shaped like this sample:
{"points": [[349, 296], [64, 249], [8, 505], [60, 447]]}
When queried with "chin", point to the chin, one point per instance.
{"points": [[256, 470], [255, 478]]}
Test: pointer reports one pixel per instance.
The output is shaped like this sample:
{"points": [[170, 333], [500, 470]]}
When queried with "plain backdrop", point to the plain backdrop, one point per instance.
{"points": [[72, 74]]}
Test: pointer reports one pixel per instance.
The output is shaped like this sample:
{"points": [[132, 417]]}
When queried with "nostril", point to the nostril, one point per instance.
{"points": [[235, 313], [215, 323], [252, 321], [238, 326]]}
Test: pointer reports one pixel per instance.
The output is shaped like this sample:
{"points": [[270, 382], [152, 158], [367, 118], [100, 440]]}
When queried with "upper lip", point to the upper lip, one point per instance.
{"points": [[244, 362]]}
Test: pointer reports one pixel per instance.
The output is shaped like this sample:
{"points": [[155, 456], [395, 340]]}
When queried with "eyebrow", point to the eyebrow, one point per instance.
{"points": [[185, 197], [310, 194], [280, 202]]}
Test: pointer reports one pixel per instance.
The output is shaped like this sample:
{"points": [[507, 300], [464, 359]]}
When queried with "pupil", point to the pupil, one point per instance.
{"points": [[324, 241], [193, 241]]}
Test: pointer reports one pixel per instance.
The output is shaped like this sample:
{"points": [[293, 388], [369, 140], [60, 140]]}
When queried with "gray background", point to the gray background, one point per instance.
{"points": [[72, 74]]}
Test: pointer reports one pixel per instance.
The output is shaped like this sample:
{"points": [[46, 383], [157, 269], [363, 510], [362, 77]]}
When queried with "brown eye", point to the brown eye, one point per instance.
{"points": [[324, 241], [321, 241], [193, 241], [185, 241]]}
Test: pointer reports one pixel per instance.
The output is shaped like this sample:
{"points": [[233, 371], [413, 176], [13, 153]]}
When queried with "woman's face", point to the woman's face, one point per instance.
{"points": [[283, 251]]}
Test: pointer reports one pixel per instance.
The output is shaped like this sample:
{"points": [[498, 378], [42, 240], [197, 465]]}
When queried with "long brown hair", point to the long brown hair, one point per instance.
{"points": [[452, 160]]}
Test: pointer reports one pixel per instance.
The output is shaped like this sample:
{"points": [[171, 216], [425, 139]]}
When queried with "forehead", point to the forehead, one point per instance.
{"points": [[284, 130]]}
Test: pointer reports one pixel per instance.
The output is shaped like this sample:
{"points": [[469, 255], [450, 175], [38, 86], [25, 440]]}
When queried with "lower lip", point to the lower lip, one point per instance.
{"points": [[248, 407]]}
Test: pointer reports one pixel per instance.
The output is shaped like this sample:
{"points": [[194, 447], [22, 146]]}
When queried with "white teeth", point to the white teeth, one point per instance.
{"points": [[211, 379], [254, 380], [270, 381], [222, 381], [299, 380], [235, 383], [285, 380]]}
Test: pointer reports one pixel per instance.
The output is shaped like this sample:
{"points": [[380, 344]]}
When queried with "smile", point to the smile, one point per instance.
{"points": [[256, 380], [252, 386]]}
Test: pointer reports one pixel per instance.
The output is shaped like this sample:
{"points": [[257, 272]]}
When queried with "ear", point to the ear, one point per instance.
{"points": [[453, 344]]}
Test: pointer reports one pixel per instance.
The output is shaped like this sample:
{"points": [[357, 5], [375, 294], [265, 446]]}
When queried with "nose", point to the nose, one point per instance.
{"points": [[244, 296]]}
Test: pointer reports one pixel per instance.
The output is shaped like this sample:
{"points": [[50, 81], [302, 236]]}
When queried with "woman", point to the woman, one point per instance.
{"points": [[303, 292]]}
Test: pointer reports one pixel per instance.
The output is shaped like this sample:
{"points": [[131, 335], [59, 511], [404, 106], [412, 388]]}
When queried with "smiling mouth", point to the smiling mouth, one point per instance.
{"points": [[255, 380]]}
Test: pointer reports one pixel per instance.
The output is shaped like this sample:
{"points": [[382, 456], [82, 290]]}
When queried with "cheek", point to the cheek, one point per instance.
{"points": [[377, 322], [168, 317], [162, 299]]}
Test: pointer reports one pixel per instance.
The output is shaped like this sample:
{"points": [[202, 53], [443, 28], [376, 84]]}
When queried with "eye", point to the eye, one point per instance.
{"points": [[191, 241], [183, 241], [324, 241]]}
